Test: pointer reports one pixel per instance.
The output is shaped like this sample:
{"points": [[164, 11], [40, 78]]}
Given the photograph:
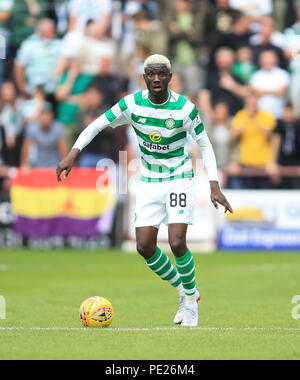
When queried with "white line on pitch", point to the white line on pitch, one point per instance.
{"points": [[129, 329]]}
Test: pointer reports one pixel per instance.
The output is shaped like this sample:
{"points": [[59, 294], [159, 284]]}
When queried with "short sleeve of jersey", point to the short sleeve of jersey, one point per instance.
{"points": [[194, 124], [119, 114]]}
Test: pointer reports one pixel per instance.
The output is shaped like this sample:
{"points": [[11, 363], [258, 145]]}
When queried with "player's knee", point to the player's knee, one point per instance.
{"points": [[145, 249], [178, 246]]}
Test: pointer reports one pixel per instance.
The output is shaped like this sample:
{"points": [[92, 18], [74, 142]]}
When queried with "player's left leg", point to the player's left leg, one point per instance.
{"points": [[186, 268]]}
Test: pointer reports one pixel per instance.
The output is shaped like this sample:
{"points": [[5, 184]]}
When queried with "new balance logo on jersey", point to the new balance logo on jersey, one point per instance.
{"points": [[152, 146], [142, 120]]}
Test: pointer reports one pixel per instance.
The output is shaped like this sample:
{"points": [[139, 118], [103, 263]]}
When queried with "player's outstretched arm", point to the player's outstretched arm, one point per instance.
{"points": [[217, 197], [67, 164], [86, 136]]}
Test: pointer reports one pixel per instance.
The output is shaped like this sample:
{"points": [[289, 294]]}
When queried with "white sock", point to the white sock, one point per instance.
{"points": [[180, 290], [191, 299]]}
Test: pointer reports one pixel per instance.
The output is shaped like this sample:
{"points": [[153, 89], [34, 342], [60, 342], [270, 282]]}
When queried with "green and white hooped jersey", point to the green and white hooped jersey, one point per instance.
{"points": [[161, 132]]}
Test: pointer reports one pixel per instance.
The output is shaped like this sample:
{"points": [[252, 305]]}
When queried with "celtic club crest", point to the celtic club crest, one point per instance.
{"points": [[170, 123]]}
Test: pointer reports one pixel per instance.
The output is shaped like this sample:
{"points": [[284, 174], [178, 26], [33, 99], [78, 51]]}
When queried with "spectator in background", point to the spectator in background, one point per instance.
{"points": [[166, 11], [268, 39], [83, 10], [26, 14], [177, 85], [151, 38], [222, 86], [92, 105], [267, 34], [292, 52], [36, 59], [239, 36], [219, 134], [2, 162], [6, 7], [184, 41], [32, 107], [46, 136], [97, 52], [136, 80], [151, 7], [219, 21], [253, 128], [150, 34], [92, 101], [69, 90], [244, 66], [12, 123], [128, 44], [270, 84], [4, 168], [285, 13], [254, 8], [60, 13], [286, 147], [70, 46]]}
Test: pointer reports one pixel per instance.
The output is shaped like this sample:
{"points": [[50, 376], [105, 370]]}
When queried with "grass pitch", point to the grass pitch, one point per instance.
{"points": [[246, 311]]}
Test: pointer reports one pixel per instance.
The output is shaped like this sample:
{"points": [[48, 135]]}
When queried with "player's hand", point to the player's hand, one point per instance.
{"points": [[63, 166], [66, 164], [217, 197]]}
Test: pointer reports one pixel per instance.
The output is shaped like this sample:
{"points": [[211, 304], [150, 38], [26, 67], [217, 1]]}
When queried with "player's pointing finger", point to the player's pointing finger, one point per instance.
{"points": [[228, 208], [58, 173]]}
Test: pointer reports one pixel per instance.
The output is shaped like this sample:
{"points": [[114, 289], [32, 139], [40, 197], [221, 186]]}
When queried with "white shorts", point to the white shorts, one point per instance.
{"points": [[165, 202]]}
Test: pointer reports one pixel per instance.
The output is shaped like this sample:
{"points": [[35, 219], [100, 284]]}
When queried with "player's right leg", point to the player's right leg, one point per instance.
{"points": [[156, 259]]}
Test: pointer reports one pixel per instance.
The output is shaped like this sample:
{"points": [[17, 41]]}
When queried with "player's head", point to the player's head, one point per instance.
{"points": [[157, 74]]}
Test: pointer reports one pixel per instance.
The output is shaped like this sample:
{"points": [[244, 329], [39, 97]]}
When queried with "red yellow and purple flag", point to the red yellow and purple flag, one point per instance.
{"points": [[82, 205]]}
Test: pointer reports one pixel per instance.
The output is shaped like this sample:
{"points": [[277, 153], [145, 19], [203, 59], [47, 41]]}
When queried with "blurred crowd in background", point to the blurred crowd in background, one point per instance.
{"points": [[65, 62]]}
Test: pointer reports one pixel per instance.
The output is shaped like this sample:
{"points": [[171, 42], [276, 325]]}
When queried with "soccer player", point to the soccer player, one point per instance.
{"points": [[162, 119]]}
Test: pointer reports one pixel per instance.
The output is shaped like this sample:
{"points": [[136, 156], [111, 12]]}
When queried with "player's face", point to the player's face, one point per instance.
{"points": [[157, 78]]}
